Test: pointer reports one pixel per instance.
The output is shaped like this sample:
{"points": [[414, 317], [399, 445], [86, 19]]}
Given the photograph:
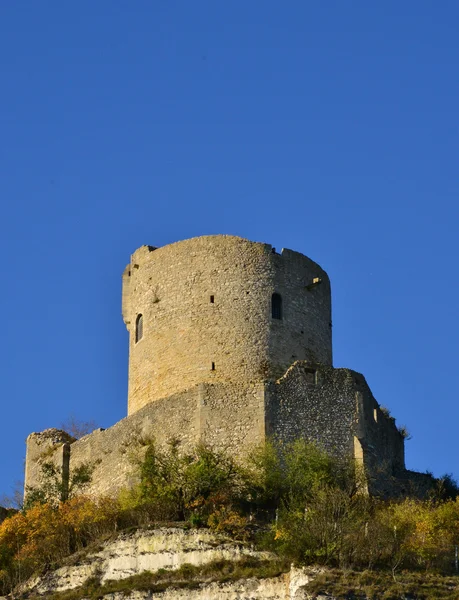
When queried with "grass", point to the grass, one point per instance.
{"points": [[341, 584], [375, 585], [187, 577]]}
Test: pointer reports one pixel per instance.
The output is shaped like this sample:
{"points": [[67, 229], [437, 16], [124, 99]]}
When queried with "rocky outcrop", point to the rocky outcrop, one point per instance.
{"points": [[286, 587], [180, 564], [132, 554]]}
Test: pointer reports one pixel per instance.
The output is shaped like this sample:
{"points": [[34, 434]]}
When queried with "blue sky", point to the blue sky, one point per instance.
{"points": [[327, 127]]}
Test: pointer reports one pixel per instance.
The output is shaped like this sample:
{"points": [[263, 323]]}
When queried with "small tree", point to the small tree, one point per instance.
{"points": [[182, 484], [55, 487], [77, 428]]}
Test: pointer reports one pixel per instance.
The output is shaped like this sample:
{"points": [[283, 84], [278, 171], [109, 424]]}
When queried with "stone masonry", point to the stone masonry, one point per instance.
{"points": [[206, 311], [230, 344]]}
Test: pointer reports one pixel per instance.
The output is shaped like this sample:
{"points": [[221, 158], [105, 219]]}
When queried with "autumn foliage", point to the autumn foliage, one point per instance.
{"points": [[294, 500], [37, 539]]}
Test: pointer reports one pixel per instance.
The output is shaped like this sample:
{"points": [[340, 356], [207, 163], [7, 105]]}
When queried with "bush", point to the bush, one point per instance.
{"points": [[184, 485], [40, 537], [300, 502]]}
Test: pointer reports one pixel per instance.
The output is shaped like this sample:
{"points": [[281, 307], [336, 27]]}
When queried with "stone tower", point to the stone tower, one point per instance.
{"points": [[230, 345], [220, 308]]}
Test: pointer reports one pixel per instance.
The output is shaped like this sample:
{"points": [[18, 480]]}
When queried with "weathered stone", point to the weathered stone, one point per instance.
{"points": [[131, 554], [210, 360], [206, 312]]}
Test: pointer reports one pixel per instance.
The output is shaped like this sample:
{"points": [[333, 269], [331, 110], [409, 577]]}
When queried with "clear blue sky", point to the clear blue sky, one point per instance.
{"points": [[331, 128]]}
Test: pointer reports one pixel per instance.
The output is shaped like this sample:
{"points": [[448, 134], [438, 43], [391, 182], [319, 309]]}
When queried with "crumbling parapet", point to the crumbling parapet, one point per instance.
{"points": [[51, 445]]}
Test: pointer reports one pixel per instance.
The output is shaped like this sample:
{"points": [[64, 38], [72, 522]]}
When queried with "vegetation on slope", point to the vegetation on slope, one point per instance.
{"points": [[186, 577], [295, 500]]}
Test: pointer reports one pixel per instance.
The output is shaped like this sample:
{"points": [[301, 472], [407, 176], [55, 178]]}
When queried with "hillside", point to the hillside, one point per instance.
{"points": [[292, 522], [174, 563]]}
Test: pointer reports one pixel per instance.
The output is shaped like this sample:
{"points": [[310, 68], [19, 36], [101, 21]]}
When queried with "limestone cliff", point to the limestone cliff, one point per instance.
{"points": [[169, 549], [176, 564]]}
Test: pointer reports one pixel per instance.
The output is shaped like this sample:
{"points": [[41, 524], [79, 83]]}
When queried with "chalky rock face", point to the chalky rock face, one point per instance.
{"points": [[206, 312]]}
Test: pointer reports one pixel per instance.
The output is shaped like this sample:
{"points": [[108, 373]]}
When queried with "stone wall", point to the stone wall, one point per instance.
{"points": [[331, 407], [51, 445], [225, 415], [113, 451], [314, 403], [335, 409], [233, 416], [206, 312]]}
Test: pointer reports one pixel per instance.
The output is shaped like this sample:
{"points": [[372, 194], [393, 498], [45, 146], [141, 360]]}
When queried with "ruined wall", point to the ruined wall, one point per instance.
{"points": [[331, 407], [336, 409], [51, 445], [314, 403], [113, 451], [206, 309], [225, 415], [377, 431]]}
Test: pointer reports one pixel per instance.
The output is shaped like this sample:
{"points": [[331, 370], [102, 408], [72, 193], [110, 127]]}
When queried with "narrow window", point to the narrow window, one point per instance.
{"points": [[138, 328], [276, 306], [213, 367], [310, 376], [212, 299]]}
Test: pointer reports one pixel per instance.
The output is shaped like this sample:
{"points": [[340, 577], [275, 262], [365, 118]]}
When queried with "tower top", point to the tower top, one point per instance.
{"points": [[220, 308]]}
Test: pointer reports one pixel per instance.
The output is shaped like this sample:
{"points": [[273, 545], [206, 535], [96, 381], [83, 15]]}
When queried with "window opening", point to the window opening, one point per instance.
{"points": [[212, 299], [213, 367], [310, 376], [276, 306], [139, 328]]}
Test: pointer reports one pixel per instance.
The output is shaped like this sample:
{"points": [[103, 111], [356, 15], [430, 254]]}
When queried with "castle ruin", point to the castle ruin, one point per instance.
{"points": [[230, 343]]}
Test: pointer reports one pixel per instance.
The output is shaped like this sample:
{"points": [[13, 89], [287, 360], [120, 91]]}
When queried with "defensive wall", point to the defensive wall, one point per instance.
{"points": [[332, 407]]}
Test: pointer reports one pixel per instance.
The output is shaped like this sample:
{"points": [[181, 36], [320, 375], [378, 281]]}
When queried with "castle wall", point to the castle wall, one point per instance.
{"points": [[227, 416], [232, 416], [314, 403], [383, 443], [335, 409], [113, 451], [206, 309], [51, 445]]}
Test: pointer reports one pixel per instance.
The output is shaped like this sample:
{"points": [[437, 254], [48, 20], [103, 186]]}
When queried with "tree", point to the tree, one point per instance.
{"points": [[56, 487], [77, 428]]}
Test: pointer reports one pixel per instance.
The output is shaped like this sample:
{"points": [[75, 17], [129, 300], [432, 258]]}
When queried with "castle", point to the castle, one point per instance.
{"points": [[231, 344]]}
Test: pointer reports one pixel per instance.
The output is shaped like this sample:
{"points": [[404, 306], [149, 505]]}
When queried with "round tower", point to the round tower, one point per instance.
{"points": [[220, 308]]}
